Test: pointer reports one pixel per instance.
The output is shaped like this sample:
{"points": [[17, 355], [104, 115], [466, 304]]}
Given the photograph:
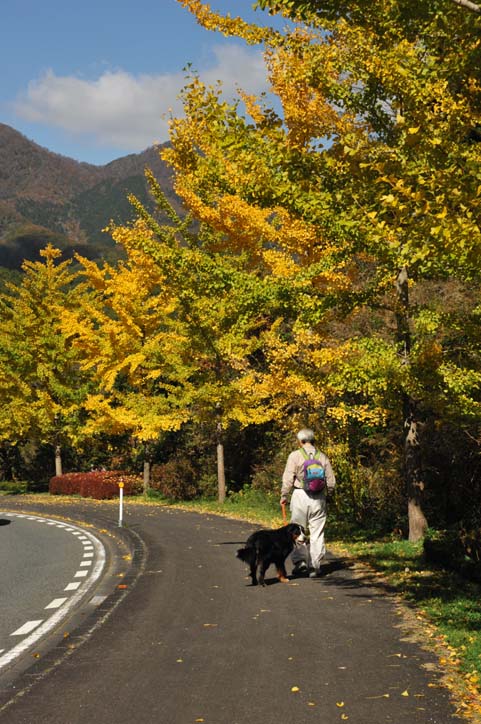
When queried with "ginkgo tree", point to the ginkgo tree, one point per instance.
{"points": [[364, 186], [176, 333], [129, 343], [42, 388]]}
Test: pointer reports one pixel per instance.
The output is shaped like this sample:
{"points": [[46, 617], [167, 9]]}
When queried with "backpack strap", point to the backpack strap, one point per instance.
{"points": [[307, 456]]}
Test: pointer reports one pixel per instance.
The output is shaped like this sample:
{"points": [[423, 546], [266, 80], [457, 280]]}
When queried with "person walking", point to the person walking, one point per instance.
{"points": [[308, 500]]}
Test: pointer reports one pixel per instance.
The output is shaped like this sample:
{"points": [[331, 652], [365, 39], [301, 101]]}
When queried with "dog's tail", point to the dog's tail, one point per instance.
{"points": [[246, 554]]}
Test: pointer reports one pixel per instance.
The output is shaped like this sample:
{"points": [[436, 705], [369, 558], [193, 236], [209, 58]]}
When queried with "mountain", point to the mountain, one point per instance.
{"points": [[45, 197]]}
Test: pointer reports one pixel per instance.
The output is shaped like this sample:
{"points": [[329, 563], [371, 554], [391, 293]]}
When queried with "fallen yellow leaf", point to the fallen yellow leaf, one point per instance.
{"points": [[344, 716], [295, 688], [405, 693], [381, 696], [339, 703]]}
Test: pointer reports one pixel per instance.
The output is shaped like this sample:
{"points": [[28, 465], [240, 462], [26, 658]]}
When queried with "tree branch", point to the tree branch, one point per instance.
{"points": [[469, 5]]}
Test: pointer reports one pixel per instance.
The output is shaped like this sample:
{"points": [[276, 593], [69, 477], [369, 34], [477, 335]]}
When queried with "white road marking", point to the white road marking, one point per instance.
{"points": [[81, 574], [85, 563], [73, 586], [35, 630], [26, 628], [56, 603]]}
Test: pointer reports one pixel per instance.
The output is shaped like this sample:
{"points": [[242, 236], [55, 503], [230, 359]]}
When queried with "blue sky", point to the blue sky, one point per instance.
{"points": [[94, 79]]}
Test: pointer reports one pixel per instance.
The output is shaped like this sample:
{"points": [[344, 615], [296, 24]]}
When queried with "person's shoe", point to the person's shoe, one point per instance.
{"points": [[299, 569], [316, 573]]}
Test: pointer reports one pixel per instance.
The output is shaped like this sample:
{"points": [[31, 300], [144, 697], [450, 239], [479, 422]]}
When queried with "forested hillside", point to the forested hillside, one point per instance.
{"points": [[45, 197]]}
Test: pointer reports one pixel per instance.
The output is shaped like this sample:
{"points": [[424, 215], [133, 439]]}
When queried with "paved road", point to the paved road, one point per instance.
{"points": [[44, 564], [194, 642]]}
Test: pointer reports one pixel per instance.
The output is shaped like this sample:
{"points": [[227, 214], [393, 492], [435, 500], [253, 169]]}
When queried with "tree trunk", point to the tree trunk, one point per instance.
{"points": [[220, 472], [413, 472], [58, 460], [147, 471], [411, 422]]}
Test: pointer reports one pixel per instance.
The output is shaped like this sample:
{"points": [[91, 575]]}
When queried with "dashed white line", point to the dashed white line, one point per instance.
{"points": [[26, 628], [32, 631], [56, 603], [73, 586]]}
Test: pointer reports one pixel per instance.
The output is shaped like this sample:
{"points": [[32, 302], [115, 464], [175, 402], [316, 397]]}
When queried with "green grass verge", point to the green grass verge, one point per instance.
{"points": [[8, 487], [250, 505]]}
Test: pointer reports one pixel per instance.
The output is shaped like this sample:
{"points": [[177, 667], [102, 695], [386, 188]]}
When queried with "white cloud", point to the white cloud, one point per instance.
{"points": [[126, 111]]}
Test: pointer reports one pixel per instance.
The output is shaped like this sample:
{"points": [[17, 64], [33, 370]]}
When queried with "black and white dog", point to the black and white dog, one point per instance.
{"points": [[270, 546]]}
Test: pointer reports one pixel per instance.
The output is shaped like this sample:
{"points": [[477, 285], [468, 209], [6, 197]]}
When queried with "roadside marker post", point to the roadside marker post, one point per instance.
{"points": [[121, 504]]}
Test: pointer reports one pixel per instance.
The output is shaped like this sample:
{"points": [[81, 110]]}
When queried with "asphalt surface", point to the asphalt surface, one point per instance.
{"points": [[187, 639], [32, 570]]}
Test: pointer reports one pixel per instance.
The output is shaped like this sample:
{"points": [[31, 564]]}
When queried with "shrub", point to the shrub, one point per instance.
{"points": [[176, 479], [101, 485]]}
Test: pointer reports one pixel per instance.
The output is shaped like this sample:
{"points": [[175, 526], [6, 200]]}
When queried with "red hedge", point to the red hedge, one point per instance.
{"points": [[101, 485]]}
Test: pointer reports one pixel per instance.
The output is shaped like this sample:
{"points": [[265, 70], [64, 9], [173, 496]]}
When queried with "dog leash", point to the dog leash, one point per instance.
{"points": [[284, 514]]}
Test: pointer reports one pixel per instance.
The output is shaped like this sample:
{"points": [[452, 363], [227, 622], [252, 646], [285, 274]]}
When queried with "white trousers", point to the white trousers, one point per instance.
{"points": [[311, 512]]}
